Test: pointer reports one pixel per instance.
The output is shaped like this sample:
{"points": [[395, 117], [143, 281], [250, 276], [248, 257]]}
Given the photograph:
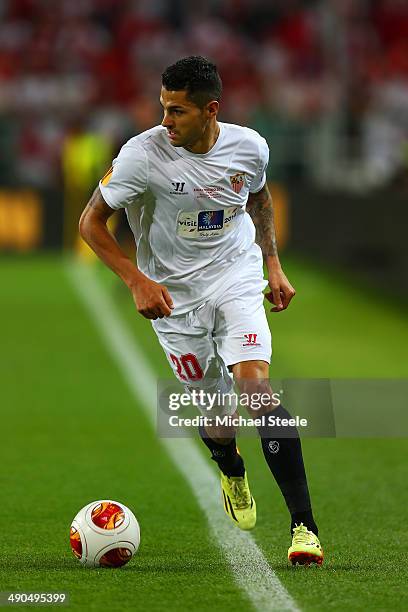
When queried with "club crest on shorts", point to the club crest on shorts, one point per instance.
{"points": [[237, 181]]}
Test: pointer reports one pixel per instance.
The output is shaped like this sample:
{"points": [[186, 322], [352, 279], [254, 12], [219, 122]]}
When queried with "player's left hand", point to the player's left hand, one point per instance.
{"points": [[281, 291]]}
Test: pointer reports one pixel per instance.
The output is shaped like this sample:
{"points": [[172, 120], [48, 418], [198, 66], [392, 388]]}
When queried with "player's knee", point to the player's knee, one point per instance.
{"points": [[213, 396], [257, 396], [250, 370]]}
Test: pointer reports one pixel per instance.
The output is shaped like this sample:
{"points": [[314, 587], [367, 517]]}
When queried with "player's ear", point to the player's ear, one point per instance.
{"points": [[212, 107]]}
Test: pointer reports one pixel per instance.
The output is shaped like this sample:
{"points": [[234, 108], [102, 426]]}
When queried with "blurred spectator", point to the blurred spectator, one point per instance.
{"points": [[86, 157]]}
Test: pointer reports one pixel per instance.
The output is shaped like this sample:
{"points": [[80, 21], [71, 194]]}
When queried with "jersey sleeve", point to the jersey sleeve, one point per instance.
{"points": [[259, 179], [127, 178]]}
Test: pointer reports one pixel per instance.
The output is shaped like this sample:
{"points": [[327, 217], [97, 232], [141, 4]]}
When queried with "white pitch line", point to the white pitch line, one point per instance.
{"points": [[248, 564]]}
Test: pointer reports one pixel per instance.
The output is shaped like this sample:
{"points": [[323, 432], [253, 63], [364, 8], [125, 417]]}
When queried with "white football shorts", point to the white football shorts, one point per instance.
{"points": [[230, 327]]}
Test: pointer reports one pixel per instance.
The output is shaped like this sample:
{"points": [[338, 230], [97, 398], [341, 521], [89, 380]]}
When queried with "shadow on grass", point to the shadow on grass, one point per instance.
{"points": [[141, 564], [326, 567]]}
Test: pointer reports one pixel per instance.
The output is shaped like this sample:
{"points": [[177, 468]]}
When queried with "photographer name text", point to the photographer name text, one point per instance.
{"points": [[236, 421]]}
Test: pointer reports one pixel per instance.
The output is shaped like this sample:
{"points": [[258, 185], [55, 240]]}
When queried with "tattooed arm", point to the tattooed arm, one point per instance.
{"points": [[152, 299], [260, 209]]}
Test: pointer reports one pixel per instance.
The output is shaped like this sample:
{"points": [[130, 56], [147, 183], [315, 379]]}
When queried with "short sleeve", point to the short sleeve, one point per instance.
{"points": [[127, 178], [259, 179]]}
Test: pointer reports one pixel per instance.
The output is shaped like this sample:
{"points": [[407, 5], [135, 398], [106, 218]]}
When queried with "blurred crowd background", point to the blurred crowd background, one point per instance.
{"points": [[326, 82]]}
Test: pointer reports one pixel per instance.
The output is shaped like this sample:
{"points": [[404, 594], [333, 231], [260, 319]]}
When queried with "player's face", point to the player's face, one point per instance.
{"points": [[185, 122]]}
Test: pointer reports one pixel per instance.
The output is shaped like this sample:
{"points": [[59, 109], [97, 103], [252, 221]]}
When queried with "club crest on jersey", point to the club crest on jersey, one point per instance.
{"points": [[237, 181]]}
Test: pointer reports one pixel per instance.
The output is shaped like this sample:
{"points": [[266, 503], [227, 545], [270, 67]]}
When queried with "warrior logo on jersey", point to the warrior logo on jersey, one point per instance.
{"points": [[210, 220], [237, 181], [178, 188]]}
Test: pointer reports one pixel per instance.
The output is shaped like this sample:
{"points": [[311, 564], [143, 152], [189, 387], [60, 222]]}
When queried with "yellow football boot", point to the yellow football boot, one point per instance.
{"points": [[306, 548], [238, 501]]}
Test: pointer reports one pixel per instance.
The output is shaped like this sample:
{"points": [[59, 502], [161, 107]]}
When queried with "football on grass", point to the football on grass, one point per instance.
{"points": [[104, 533]]}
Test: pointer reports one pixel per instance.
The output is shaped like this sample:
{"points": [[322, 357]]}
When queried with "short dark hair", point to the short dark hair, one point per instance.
{"points": [[198, 76]]}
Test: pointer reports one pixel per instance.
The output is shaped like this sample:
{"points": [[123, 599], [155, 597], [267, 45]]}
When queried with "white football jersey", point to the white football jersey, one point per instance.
{"points": [[187, 210]]}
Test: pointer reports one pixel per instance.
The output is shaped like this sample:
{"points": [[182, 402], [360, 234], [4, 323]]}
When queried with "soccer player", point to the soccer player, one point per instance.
{"points": [[195, 194]]}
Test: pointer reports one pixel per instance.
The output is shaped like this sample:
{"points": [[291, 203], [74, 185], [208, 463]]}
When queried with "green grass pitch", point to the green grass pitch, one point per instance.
{"points": [[71, 433]]}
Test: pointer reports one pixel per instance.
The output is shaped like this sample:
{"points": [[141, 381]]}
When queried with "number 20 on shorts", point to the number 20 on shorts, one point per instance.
{"points": [[187, 367]]}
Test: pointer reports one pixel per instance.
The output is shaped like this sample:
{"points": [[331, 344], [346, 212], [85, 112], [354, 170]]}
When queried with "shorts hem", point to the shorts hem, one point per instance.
{"points": [[251, 357]]}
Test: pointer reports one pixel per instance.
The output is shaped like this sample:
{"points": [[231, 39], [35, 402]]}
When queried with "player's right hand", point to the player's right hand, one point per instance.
{"points": [[152, 300]]}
